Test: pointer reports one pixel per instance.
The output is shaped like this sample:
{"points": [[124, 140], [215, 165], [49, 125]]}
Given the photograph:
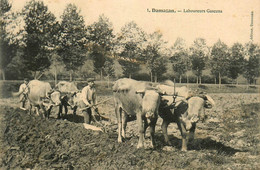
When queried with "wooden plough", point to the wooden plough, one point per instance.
{"points": [[94, 114]]}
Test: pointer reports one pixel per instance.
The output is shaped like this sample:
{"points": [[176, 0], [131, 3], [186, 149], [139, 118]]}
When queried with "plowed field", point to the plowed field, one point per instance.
{"points": [[229, 139]]}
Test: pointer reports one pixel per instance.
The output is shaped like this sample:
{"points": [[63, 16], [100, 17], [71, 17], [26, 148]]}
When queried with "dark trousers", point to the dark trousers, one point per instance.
{"points": [[87, 115]]}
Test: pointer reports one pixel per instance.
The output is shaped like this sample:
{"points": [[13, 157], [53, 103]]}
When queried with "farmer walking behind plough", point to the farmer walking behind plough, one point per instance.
{"points": [[89, 101], [23, 92]]}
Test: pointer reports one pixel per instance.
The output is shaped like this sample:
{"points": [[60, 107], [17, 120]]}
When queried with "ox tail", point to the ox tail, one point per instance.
{"points": [[15, 94]]}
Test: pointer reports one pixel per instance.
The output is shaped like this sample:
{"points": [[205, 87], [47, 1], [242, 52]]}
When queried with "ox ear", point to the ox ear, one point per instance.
{"points": [[209, 102]]}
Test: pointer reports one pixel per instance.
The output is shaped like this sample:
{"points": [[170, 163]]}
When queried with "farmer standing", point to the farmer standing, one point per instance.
{"points": [[23, 92], [89, 100]]}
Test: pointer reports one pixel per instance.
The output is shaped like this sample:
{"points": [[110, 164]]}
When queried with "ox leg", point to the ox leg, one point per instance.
{"points": [[118, 112], [49, 112], [124, 124], [44, 111], [60, 112], [37, 110], [66, 110], [152, 131], [140, 130], [184, 135], [30, 109], [192, 132], [74, 113], [145, 125], [165, 133]]}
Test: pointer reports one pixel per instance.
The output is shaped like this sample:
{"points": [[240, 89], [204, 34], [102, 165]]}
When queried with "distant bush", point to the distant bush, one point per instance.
{"points": [[202, 86], [142, 76], [208, 79]]}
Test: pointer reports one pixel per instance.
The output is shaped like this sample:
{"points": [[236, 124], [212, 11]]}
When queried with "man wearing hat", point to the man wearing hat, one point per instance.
{"points": [[23, 91], [88, 94]]}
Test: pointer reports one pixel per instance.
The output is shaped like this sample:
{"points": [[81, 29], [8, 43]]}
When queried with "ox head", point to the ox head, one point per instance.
{"points": [[53, 99], [56, 98], [150, 103], [73, 98], [196, 110]]}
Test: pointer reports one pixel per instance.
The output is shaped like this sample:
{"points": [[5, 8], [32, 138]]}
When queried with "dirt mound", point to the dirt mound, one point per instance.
{"points": [[31, 142], [37, 143]]}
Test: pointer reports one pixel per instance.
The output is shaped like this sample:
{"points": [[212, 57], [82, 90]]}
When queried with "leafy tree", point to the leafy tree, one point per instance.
{"points": [[118, 69], [100, 35], [40, 39], [109, 69], [159, 67], [219, 60], [87, 69], [253, 63], [236, 61], [180, 58], [72, 39], [129, 48], [153, 55], [7, 49], [56, 67], [16, 69], [98, 55], [199, 53]]}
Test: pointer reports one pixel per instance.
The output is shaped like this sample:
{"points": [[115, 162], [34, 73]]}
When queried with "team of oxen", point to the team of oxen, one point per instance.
{"points": [[142, 100]]}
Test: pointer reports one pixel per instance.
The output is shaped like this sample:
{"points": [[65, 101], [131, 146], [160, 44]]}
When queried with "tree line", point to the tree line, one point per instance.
{"points": [[35, 43]]}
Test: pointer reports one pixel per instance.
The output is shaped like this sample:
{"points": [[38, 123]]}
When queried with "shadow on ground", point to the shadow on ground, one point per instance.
{"points": [[197, 144], [75, 119]]}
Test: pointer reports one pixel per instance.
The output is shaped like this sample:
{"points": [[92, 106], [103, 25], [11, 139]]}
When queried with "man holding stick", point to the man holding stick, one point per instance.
{"points": [[89, 101], [23, 92]]}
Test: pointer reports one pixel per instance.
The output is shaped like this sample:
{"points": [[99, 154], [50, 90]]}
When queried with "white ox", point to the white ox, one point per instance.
{"points": [[134, 98], [187, 110], [68, 91], [41, 96]]}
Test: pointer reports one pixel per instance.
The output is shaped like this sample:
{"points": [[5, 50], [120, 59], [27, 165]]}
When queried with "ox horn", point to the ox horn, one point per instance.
{"points": [[210, 100], [139, 92]]}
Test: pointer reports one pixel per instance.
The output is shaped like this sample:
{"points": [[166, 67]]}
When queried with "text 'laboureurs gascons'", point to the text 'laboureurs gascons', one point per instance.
{"points": [[158, 10]]}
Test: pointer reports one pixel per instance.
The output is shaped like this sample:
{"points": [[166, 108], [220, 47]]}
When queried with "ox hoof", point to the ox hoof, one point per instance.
{"points": [[184, 149], [140, 146], [151, 147], [119, 140]]}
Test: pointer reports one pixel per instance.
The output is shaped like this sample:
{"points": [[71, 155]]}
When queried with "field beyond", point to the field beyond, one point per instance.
{"points": [[229, 139], [105, 88]]}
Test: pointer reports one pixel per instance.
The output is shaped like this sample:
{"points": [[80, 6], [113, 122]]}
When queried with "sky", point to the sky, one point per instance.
{"points": [[231, 25]]}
